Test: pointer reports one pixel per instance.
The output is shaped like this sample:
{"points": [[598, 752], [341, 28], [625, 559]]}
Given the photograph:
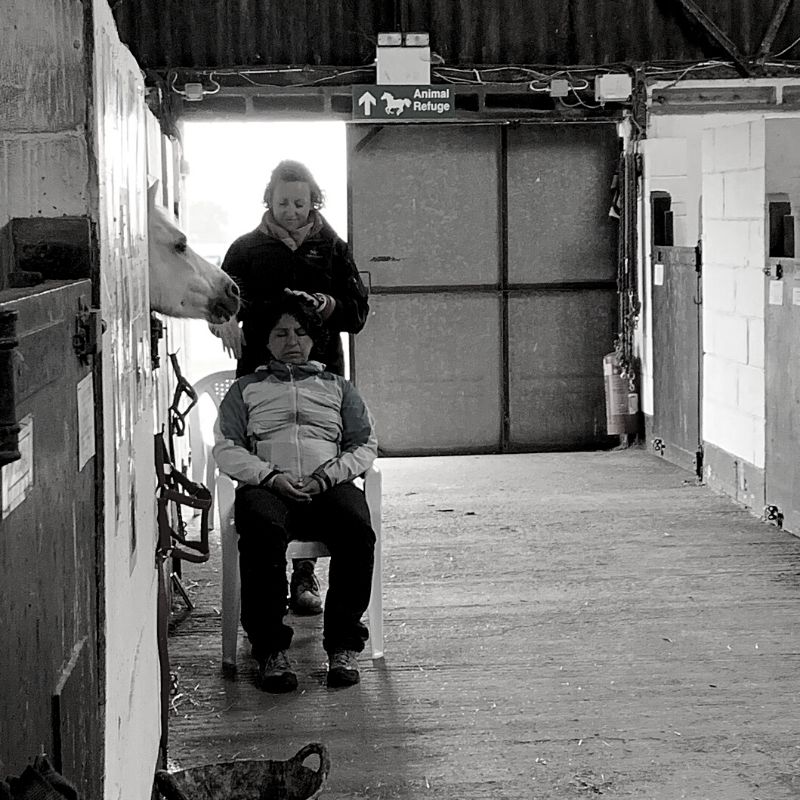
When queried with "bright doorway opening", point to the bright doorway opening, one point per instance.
{"points": [[228, 165]]}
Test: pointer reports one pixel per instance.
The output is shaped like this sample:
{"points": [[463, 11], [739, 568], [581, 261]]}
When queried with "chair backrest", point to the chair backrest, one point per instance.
{"points": [[215, 385], [211, 389]]}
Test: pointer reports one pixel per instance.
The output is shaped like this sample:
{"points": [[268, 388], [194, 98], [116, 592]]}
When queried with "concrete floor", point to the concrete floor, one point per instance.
{"points": [[557, 626]]}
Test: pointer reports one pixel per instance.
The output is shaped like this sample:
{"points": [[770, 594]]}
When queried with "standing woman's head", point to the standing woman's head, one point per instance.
{"points": [[291, 194], [295, 328]]}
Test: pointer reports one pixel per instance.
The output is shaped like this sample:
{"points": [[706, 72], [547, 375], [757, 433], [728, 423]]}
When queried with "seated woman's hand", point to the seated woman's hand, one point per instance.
{"points": [[290, 489], [310, 486]]}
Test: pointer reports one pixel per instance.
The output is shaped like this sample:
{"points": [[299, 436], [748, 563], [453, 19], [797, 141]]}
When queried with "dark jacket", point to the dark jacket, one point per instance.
{"points": [[263, 267]]}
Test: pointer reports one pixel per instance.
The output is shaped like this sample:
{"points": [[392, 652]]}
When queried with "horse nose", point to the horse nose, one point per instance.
{"points": [[233, 290]]}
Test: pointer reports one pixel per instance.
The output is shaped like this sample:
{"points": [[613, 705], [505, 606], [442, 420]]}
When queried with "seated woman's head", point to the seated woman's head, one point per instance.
{"points": [[295, 328]]}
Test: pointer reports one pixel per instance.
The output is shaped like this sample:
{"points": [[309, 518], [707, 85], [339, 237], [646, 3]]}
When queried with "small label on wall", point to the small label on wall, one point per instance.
{"points": [[776, 293], [658, 274], [17, 477], [796, 296], [85, 420]]}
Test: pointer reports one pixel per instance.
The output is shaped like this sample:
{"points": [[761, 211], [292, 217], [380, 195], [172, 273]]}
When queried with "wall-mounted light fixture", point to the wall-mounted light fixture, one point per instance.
{"points": [[403, 58]]}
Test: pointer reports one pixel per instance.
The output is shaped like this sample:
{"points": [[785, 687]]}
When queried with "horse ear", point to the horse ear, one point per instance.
{"points": [[152, 192]]}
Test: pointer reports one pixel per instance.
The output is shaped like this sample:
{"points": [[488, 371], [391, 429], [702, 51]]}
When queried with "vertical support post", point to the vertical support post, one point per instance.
{"points": [[9, 425], [505, 410]]}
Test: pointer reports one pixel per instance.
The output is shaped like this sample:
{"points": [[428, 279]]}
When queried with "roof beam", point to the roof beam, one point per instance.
{"points": [[778, 14], [717, 35]]}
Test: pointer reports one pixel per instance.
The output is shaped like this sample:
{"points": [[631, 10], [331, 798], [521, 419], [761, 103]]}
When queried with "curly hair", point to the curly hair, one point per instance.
{"points": [[303, 312], [294, 171]]}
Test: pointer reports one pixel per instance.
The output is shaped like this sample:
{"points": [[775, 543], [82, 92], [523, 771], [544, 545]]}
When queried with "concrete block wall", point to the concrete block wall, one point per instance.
{"points": [[733, 235], [131, 586], [43, 153], [733, 160]]}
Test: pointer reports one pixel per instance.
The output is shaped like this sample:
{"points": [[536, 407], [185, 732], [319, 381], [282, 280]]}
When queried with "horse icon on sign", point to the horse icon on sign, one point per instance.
{"points": [[395, 105]]}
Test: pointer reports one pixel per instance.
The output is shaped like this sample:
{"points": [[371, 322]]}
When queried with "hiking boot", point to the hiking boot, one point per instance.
{"points": [[304, 589], [343, 668], [276, 674]]}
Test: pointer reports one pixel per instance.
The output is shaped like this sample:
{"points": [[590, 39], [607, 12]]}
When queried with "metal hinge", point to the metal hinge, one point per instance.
{"points": [[87, 339], [156, 334], [698, 463], [698, 257]]}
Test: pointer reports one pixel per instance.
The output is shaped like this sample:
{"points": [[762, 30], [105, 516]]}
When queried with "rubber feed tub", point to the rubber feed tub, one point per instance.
{"points": [[249, 780]]}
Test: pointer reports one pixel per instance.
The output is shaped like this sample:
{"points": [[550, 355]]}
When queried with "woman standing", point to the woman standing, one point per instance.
{"points": [[293, 250]]}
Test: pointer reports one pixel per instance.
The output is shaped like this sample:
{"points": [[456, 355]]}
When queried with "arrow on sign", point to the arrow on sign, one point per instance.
{"points": [[367, 100]]}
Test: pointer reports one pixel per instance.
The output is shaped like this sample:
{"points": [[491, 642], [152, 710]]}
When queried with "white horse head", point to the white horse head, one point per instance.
{"points": [[182, 284]]}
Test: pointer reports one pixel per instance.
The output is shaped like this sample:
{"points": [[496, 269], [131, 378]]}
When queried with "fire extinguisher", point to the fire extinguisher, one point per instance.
{"points": [[622, 403]]}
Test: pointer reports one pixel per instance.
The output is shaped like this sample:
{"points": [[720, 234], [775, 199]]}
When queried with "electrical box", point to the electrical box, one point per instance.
{"points": [[559, 87], [613, 86]]}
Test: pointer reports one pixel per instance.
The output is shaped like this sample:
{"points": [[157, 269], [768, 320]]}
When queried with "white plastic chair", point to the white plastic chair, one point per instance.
{"points": [[204, 470], [231, 585]]}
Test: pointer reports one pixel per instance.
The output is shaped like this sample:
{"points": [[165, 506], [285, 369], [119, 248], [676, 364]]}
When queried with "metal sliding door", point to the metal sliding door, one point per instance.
{"points": [[561, 281], [426, 229], [491, 261]]}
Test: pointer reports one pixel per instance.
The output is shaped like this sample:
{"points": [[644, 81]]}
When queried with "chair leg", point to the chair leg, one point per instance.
{"points": [[373, 487], [210, 484], [231, 596], [196, 446]]}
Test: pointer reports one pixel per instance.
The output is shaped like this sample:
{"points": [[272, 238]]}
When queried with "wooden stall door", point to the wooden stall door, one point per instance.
{"points": [[677, 356], [782, 321], [782, 380], [50, 692]]}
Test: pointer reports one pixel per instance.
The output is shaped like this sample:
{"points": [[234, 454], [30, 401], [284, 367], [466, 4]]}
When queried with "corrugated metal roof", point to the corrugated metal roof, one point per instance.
{"points": [[220, 33]]}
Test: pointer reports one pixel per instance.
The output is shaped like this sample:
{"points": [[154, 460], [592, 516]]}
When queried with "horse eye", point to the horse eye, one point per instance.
{"points": [[180, 246]]}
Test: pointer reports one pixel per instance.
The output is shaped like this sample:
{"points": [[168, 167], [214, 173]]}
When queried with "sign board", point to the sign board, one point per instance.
{"points": [[390, 103]]}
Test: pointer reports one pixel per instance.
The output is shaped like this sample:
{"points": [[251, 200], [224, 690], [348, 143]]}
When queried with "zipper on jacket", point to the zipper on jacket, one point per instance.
{"points": [[295, 395]]}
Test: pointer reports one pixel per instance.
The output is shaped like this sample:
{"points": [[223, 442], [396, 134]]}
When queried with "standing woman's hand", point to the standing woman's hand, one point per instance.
{"points": [[231, 335], [323, 304]]}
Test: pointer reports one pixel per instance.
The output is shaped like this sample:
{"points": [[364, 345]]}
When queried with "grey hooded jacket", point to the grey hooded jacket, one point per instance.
{"points": [[296, 419]]}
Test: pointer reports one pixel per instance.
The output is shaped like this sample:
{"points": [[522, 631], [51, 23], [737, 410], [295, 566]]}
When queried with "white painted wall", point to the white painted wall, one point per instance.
{"points": [[733, 222], [714, 167], [132, 670]]}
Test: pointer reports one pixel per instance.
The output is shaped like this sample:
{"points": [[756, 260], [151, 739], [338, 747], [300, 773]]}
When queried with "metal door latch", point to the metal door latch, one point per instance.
{"points": [[659, 446], [89, 327], [773, 514], [778, 271]]}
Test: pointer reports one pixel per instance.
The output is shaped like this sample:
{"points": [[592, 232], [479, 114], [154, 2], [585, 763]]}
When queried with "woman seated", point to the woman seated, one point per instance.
{"points": [[295, 436]]}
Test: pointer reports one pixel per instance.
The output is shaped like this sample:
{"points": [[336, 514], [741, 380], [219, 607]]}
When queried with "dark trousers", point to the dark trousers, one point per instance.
{"points": [[266, 522]]}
